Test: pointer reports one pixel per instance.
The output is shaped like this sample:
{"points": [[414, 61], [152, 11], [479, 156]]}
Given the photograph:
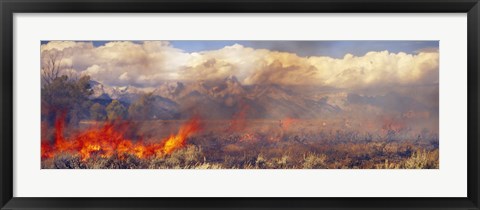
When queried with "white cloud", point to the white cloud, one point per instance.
{"points": [[149, 63], [124, 76]]}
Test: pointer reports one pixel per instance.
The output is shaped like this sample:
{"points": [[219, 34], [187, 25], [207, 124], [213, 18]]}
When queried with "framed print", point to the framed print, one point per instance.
{"points": [[239, 105]]}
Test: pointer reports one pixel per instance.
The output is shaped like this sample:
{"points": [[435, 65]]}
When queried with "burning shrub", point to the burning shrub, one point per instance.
{"points": [[107, 146], [108, 141]]}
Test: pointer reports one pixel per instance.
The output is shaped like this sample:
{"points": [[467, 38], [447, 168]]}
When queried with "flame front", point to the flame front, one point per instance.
{"points": [[107, 141], [177, 141]]}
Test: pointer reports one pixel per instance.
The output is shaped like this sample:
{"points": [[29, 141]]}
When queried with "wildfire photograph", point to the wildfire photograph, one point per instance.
{"points": [[228, 104]]}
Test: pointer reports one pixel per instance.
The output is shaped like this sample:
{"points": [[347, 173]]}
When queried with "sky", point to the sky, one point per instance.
{"points": [[336, 64], [335, 49]]}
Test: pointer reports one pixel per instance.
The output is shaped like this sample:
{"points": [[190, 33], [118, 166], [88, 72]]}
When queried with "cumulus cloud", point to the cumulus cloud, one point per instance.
{"points": [[152, 62]]}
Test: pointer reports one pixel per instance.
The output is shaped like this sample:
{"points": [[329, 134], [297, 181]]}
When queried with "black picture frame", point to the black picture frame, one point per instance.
{"points": [[9, 7]]}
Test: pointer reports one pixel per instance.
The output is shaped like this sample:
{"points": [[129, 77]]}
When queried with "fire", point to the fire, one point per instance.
{"points": [[287, 122], [249, 137], [108, 140], [238, 121], [178, 141]]}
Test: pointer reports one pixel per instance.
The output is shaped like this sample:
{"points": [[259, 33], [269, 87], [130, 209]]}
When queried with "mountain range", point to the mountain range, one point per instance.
{"points": [[222, 99]]}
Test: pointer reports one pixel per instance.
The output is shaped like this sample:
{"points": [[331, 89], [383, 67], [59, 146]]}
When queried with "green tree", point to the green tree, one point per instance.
{"points": [[143, 108], [65, 95], [97, 112], [115, 110]]}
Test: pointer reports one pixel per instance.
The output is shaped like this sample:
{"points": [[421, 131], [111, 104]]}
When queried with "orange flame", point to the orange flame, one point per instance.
{"points": [[238, 121], [59, 124], [107, 141], [287, 122], [178, 141]]}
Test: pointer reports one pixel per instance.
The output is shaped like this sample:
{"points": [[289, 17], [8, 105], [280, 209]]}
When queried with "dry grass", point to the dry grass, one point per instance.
{"points": [[305, 145], [194, 157]]}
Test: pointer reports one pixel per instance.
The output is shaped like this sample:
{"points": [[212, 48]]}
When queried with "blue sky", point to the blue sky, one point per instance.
{"points": [[335, 49]]}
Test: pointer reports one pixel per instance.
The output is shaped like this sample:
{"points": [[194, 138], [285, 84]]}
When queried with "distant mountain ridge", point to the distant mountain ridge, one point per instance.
{"points": [[223, 98]]}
